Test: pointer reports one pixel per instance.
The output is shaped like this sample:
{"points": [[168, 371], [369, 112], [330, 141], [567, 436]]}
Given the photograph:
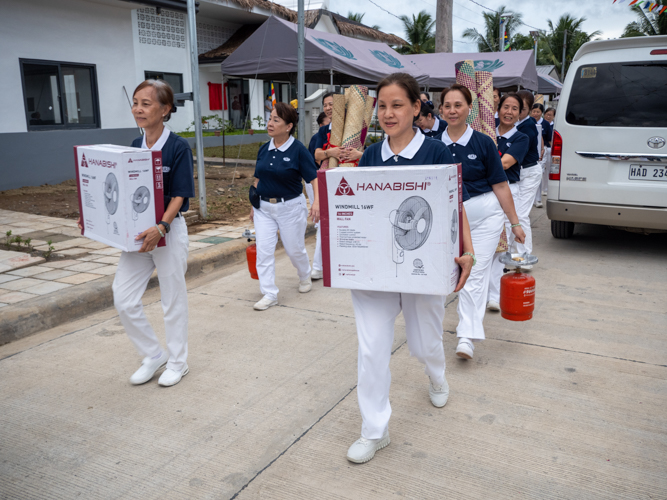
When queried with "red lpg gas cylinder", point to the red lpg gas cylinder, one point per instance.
{"points": [[251, 254], [517, 296]]}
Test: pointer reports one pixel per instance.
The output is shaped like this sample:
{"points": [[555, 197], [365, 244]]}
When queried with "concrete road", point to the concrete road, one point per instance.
{"points": [[568, 405]]}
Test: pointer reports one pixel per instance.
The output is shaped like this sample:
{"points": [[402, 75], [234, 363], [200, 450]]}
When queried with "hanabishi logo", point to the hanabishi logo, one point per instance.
{"points": [[344, 188], [84, 163]]}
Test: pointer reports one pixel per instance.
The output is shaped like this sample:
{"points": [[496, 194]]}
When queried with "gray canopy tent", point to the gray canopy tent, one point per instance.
{"points": [[549, 85], [510, 69], [270, 53]]}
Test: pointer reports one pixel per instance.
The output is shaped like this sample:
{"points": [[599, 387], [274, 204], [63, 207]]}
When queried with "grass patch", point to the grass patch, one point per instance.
{"points": [[247, 151], [210, 133]]}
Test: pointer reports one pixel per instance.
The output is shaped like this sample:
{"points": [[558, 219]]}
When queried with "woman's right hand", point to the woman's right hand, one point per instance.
{"points": [[80, 222], [334, 153], [252, 214]]}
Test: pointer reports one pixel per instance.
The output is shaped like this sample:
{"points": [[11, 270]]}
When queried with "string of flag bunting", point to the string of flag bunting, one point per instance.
{"points": [[648, 6]]}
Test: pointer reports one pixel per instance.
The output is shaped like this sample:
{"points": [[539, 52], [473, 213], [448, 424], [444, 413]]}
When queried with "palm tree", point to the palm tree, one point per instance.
{"points": [[359, 17], [419, 33], [489, 41], [575, 39], [647, 23]]}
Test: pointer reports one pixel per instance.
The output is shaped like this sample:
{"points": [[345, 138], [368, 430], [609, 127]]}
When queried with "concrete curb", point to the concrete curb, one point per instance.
{"points": [[34, 315]]}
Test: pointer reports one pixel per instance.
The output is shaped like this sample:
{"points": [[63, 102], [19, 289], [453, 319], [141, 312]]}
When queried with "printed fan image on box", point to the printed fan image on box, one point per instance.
{"points": [[120, 193], [391, 229]]}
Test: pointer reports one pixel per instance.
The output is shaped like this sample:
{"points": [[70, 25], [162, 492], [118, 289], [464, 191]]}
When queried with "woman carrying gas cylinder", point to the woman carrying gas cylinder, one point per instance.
{"points": [[281, 164], [512, 146], [490, 200], [375, 312]]}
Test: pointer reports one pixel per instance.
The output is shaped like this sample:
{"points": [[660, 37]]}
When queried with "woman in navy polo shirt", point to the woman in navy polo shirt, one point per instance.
{"points": [[530, 173], [152, 106], [512, 146], [429, 123], [545, 158], [375, 312], [281, 164], [490, 200]]}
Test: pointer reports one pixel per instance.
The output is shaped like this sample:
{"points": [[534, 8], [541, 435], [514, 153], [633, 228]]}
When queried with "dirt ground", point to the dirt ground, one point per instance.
{"points": [[227, 198]]}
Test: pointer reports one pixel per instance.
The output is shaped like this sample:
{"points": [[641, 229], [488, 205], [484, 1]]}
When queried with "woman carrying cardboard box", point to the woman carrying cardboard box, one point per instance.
{"points": [[375, 312], [153, 103]]}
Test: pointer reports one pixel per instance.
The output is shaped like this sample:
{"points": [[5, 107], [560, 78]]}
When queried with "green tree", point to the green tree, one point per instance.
{"points": [[575, 39], [356, 16], [647, 23], [419, 33], [526, 42], [489, 40]]}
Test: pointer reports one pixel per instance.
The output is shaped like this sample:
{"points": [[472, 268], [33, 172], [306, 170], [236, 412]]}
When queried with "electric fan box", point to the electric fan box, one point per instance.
{"points": [[120, 193], [393, 229]]}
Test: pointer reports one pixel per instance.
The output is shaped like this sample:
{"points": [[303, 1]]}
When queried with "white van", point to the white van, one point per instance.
{"points": [[609, 161]]}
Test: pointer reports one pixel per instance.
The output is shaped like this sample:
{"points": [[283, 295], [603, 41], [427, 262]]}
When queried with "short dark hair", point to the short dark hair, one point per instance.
{"points": [[426, 110], [527, 96], [403, 80], [163, 93], [288, 114], [496, 89], [461, 88], [321, 118], [539, 106], [511, 95], [550, 109], [328, 94], [428, 96]]}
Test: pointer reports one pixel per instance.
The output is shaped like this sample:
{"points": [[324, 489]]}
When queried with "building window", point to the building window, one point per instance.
{"points": [[59, 95], [175, 80]]}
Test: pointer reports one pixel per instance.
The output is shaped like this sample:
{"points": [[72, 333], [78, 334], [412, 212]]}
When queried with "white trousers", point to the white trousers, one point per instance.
{"points": [[290, 218], [485, 216], [317, 257], [129, 285], [496, 266], [375, 314], [545, 164], [529, 181]]}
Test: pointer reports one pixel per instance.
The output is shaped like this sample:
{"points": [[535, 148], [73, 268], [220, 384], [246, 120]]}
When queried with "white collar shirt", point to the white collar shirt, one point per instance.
{"points": [[159, 144], [436, 125], [284, 147], [410, 150], [463, 140], [507, 134]]}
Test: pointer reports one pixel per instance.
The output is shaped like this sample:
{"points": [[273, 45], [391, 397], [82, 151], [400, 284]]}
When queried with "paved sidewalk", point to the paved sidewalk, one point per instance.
{"points": [[76, 260]]}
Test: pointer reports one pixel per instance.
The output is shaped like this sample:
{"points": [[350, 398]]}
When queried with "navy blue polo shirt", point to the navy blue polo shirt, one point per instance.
{"points": [[177, 168], [480, 159], [515, 144], [547, 130], [529, 127], [312, 146], [436, 133], [422, 150], [280, 170], [322, 136]]}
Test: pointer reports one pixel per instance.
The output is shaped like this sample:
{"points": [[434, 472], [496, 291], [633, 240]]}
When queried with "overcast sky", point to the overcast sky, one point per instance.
{"points": [[601, 15]]}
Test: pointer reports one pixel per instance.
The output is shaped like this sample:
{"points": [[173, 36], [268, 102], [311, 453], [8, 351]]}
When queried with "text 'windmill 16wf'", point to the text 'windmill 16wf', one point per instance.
{"points": [[120, 193], [391, 229]]}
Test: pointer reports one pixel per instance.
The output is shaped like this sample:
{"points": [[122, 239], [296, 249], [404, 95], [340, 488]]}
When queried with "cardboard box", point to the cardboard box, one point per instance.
{"points": [[120, 193], [391, 229]]}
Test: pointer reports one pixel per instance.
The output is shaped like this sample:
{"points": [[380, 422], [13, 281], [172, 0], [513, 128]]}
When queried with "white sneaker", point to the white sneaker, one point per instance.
{"points": [[316, 275], [492, 305], [465, 348], [538, 204], [265, 303], [172, 377], [305, 285], [438, 394], [364, 449], [148, 368]]}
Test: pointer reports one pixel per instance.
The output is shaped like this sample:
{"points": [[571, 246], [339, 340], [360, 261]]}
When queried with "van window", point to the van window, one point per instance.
{"points": [[626, 94]]}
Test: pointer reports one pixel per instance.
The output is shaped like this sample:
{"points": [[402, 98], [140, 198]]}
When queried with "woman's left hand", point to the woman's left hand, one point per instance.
{"points": [[519, 234], [351, 155], [465, 262], [151, 237], [315, 212]]}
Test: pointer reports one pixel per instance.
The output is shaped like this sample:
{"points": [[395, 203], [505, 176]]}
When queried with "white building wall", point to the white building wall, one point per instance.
{"points": [[67, 31]]}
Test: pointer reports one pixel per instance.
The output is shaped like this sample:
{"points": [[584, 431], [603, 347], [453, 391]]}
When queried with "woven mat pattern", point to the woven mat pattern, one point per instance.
{"points": [[487, 119]]}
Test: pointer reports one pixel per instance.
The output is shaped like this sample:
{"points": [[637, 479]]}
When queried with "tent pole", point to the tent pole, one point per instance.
{"points": [[301, 75], [331, 85], [196, 100]]}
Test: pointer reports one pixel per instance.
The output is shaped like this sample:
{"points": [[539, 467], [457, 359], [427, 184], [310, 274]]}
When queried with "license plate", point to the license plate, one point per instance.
{"points": [[648, 173]]}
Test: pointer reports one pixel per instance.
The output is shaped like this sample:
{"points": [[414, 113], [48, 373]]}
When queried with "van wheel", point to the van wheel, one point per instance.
{"points": [[562, 229]]}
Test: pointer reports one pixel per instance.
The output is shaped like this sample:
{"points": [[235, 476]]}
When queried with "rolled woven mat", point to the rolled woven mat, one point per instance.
{"points": [[503, 244], [354, 118], [368, 117], [465, 75], [485, 100], [337, 127], [539, 99]]}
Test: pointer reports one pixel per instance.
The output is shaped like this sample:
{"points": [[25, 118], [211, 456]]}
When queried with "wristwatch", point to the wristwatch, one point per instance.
{"points": [[167, 226]]}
